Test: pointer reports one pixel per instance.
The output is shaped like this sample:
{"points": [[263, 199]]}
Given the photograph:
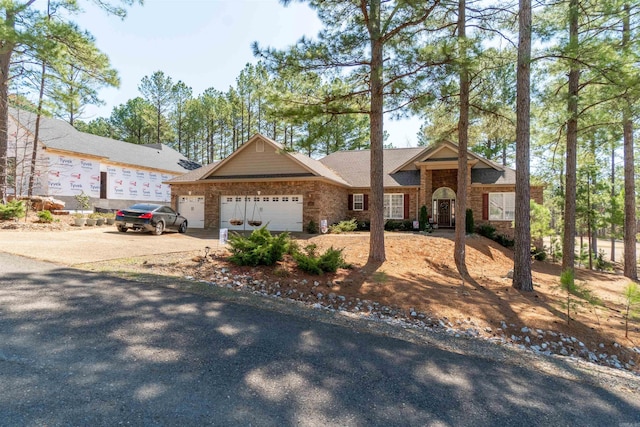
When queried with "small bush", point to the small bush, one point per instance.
{"points": [[45, 216], [539, 254], [364, 226], [504, 241], [486, 230], [468, 224], [312, 227], [260, 248], [344, 226], [83, 200], [398, 225], [601, 263], [311, 263], [13, 209], [423, 218]]}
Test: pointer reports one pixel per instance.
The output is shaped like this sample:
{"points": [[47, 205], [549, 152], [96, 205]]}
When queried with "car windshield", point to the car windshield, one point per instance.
{"points": [[143, 207]]}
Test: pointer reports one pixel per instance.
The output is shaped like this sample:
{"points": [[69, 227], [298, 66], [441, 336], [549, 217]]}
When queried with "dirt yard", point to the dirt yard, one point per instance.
{"points": [[419, 281]]}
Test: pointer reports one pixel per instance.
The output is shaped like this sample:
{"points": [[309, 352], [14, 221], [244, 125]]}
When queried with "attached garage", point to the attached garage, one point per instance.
{"points": [[192, 208], [277, 213]]}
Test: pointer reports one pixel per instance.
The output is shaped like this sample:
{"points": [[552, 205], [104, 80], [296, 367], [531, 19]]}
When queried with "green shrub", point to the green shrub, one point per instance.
{"points": [[398, 225], [468, 224], [311, 263], [486, 230], [332, 260], [601, 263], [423, 218], [312, 227], [555, 249], [260, 248], [344, 226], [83, 200], [45, 216], [504, 241], [364, 226], [13, 209], [539, 254], [631, 295]]}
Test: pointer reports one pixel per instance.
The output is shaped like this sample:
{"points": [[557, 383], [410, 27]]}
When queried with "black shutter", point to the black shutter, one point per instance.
{"points": [[485, 206], [406, 206]]}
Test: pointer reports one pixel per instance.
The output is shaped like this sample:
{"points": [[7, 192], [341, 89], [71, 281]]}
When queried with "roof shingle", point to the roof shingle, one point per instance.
{"points": [[60, 135]]}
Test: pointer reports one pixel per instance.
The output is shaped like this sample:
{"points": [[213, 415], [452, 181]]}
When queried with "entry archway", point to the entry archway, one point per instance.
{"points": [[444, 207]]}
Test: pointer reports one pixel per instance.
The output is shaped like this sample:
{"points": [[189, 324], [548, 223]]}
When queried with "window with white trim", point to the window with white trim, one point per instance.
{"points": [[358, 202], [394, 206], [502, 206]]}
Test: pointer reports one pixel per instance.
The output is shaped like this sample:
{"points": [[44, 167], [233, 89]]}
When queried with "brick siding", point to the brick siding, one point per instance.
{"points": [[321, 200]]}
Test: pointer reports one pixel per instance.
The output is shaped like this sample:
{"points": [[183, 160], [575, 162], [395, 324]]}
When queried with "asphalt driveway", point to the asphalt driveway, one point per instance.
{"points": [[79, 348], [99, 244]]}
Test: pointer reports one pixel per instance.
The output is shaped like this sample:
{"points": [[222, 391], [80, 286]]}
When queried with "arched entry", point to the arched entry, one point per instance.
{"points": [[444, 207]]}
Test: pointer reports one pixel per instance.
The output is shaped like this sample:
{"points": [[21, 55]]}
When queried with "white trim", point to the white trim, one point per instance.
{"points": [[502, 208], [391, 205], [360, 202]]}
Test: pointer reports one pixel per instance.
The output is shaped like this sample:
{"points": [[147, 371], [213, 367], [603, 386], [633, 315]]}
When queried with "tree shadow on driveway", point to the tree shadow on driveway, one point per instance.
{"points": [[80, 348]]}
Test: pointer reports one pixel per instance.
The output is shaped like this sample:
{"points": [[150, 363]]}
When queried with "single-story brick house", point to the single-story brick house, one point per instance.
{"points": [[114, 174], [262, 183]]}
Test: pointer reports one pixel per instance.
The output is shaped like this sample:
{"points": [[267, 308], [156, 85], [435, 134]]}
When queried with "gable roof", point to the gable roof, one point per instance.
{"points": [[354, 167], [431, 152], [400, 170], [59, 135], [194, 175], [351, 168], [311, 167]]}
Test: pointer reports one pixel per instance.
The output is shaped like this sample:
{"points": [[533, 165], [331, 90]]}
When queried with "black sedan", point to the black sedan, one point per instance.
{"points": [[150, 217]]}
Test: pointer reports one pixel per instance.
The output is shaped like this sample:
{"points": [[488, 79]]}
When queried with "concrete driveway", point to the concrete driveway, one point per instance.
{"points": [[99, 244]]}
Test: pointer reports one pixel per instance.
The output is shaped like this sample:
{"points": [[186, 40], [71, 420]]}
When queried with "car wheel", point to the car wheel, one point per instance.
{"points": [[122, 228], [183, 227], [159, 228]]}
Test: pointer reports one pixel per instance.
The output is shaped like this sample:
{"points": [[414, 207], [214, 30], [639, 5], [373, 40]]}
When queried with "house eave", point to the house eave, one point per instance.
{"points": [[478, 184], [72, 153], [260, 179]]}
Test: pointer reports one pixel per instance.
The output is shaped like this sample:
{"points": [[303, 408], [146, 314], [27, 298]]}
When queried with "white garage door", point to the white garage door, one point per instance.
{"points": [[192, 208], [278, 213]]}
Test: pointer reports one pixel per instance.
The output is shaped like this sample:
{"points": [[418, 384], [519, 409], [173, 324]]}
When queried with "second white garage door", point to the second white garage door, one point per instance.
{"points": [[192, 208], [278, 213]]}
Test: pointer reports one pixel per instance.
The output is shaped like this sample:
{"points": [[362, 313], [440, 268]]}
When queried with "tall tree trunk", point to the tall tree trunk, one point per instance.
{"points": [[6, 50], [568, 244], [248, 116], [36, 133], [376, 203], [589, 215], [630, 225], [463, 133], [522, 252], [613, 203]]}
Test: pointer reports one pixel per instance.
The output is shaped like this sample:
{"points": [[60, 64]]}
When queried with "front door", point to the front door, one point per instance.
{"points": [[444, 213]]}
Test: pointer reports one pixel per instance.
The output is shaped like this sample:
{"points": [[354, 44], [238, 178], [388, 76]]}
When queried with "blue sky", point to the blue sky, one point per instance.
{"points": [[204, 43]]}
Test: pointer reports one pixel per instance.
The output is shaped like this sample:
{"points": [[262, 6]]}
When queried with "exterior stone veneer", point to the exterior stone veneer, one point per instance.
{"points": [[321, 200]]}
